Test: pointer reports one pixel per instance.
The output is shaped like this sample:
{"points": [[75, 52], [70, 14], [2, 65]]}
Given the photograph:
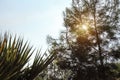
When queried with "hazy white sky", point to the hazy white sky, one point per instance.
{"points": [[32, 19]]}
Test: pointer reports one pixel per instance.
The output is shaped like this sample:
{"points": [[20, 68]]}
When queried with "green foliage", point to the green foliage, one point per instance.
{"points": [[90, 54], [14, 56]]}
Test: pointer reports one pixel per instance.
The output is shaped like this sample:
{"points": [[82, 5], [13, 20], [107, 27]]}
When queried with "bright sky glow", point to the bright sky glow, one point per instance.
{"points": [[32, 19], [84, 27]]}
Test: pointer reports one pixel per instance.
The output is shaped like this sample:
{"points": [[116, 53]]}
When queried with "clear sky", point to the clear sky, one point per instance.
{"points": [[32, 19]]}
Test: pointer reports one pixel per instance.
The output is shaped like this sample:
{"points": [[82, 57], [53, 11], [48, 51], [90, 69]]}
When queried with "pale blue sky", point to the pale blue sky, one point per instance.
{"points": [[33, 19]]}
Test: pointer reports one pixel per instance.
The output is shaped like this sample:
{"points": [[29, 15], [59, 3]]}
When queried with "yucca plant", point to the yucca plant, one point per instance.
{"points": [[14, 56]]}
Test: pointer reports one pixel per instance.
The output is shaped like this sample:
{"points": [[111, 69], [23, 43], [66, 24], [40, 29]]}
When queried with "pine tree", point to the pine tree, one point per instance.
{"points": [[89, 46]]}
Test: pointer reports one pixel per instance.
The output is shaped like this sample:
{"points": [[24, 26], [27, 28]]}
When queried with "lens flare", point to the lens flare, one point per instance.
{"points": [[84, 27]]}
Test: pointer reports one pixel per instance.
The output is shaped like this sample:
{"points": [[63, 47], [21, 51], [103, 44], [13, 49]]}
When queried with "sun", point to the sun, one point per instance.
{"points": [[84, 27]]}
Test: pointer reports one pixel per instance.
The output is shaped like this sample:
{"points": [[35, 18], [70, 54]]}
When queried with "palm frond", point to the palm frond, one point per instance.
{"points": [[39, 64], [15, 54]]}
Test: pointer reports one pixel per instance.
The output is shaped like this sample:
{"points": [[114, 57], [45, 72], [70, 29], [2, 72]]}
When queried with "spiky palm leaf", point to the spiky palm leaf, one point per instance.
{"points": [[39, 64], [14, 55]]}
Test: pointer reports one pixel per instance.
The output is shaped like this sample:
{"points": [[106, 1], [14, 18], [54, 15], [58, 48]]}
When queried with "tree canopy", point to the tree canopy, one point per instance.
{"points": [[89, 46]]}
